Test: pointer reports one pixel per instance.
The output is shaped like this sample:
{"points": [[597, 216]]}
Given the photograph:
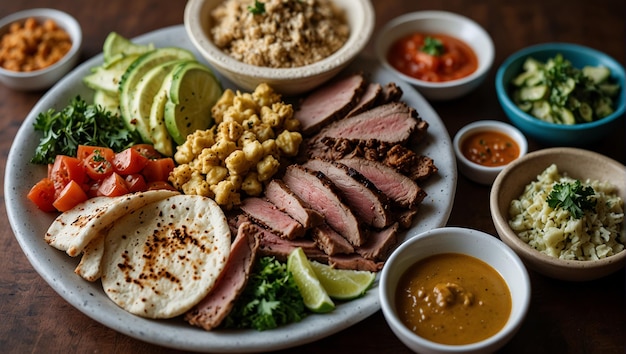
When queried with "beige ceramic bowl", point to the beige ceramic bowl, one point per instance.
{"points": [[44, 78], [577, 163], [474, 171], [447, 23], [289, 81], [464, 241]]}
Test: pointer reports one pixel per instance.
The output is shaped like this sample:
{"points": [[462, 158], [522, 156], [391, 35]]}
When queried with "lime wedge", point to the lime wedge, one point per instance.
{"points": [[193, 92], [115, 44], [315, 297], [343, 284]]}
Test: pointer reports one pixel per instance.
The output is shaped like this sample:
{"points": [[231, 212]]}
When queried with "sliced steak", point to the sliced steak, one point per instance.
{"points": [[320, 194], [268, 215], [391, 93], [273, 245], [354, 261], [396, 186], [372, 94], [210, 312], [361, 195], [329, 241], [329, 102], [392, 123], [417, 167], [280, 195], [379, 243]]}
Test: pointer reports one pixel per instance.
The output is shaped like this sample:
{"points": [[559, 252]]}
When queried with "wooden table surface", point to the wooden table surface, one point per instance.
{"points": [[563, 318]]}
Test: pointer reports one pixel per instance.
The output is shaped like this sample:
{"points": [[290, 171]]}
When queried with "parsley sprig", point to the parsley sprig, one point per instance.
{"points": [[271, 299], [432, 46], [573, 197], [258, 8], [79, 123]]}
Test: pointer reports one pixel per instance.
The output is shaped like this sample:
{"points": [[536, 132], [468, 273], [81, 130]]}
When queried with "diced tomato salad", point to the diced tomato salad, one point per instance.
{"points": [[99, 171]]}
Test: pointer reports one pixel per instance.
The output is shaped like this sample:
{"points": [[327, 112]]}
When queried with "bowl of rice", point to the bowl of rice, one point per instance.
{"points": [[562, 211], [293, 46]]}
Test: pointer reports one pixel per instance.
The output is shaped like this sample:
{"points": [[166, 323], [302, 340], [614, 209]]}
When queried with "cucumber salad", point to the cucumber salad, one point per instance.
{"points": [[557, 92]]}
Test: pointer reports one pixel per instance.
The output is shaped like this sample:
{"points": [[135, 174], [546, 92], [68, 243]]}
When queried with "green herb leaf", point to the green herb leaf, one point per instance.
{"points": [[79, 124], [573, 197], [258, 8], [432, 46], [271, 299]]}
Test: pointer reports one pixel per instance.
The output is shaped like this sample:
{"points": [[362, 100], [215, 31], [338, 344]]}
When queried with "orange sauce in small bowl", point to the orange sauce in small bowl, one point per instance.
{"points": [[490, 148], [456, 59]]}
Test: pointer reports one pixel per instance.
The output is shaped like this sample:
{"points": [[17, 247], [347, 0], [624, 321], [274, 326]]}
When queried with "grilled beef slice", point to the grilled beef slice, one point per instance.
{"points": [[359, 193], [329, 102], [268, 215], [329, 241], [392, 123], [210, 312], [379, 243], [372, 94], [396, 186], [280, 195], [320, 194]]}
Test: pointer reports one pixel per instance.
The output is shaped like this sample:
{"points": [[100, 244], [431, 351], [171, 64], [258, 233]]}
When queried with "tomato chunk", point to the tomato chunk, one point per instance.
{"points": [[97, 165], [42, 194], [136, 183], [158, 169], [160, 185], [83, 151], [72, 195], [129, 161], [147, 150], [113, 186], [66, 169]]}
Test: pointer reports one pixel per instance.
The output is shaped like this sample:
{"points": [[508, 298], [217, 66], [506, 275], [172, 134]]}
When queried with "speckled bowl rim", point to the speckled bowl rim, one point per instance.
{"points": [[358, 39]]}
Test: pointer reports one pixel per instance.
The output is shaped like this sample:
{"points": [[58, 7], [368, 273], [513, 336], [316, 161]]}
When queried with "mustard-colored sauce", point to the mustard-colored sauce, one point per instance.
{"points": [[453, 299]]}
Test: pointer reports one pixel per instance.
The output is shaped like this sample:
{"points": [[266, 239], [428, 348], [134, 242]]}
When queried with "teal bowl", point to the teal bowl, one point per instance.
{"points": [[552, 134]]}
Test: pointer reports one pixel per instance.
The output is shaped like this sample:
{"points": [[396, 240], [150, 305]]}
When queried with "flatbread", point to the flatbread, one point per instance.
{"points": [[90, 266], [162, 259], [72, 230]]}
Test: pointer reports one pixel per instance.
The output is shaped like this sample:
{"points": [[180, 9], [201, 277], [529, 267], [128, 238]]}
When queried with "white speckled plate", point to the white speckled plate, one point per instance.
{"points": [[29, 225]]}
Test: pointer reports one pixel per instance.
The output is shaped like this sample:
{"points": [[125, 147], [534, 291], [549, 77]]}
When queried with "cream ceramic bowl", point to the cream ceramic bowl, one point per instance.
{"points": [[44, 78], [447, 23], [288, 81], [577, 163], [474, 171], [456, 240]]}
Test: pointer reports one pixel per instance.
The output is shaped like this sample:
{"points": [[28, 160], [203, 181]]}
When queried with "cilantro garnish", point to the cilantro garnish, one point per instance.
{"points": [[573, 197], [432, 46], [79, 123], [257, 9], [271, 299]]}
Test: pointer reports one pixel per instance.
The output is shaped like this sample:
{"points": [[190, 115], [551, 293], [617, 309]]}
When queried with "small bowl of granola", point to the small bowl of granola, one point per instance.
{"points": [[37, 48], [293, 46]]}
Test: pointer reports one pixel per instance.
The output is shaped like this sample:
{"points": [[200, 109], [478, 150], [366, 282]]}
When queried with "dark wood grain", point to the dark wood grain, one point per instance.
{"points": [[564, 317]]}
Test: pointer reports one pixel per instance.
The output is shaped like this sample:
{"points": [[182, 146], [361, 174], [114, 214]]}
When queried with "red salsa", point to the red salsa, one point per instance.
{"points": [[490, 148], [432, 57]]}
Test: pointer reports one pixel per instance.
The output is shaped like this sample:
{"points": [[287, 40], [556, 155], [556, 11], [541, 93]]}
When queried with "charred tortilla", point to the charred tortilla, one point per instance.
{"points": [[162, 259], [74, 229]]}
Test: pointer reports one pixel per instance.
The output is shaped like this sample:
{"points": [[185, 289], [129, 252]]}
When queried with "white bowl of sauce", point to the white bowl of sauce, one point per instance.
{"points": [[454, 290], [483, 148], [443, 54]]}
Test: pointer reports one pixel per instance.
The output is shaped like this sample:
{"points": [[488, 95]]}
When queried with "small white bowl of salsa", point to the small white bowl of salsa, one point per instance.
{"points": [[443, 54], [484, 148], [454, 290]]}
